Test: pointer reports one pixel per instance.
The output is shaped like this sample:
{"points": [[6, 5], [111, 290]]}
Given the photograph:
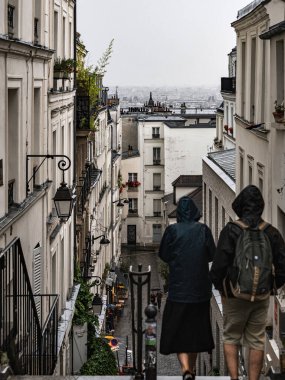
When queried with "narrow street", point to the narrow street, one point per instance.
{"points": [[167, 365]]}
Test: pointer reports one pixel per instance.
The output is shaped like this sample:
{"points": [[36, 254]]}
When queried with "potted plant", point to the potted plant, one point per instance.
{"points": [[226, 127], [231, 130], [279, 112], [57, 69]]}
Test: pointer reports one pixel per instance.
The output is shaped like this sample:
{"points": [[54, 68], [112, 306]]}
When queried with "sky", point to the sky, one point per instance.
{"points": [[160, 42]]}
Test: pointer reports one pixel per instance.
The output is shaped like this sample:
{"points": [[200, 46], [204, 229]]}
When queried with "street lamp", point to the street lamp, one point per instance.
{"points": [[103, 241], [121, 202], [63, 198], [97, 302]]}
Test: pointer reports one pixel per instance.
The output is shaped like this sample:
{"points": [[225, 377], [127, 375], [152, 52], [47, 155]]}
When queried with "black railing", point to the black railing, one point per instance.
{"points": [[102, 192], [36, 29], [155, 188], [155, 135], [156, 162], [157, 213], [228, 85], [87, 261], [27, 335], [90, 176]]}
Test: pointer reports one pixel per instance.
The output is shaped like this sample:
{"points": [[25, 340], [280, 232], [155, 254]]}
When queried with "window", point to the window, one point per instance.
{"points": [[156, 207], [133, 206], [63, 36], [156, 181], [241, 165], [156, 156], [1, 172], [210, 209], [155, 133], [250, 169], [216, 218], [243, 77], [205, 201], [11, 16], [36, 30], [55, 34], [132, 177], [223, 217], [260, 170], [252, 79], [280, 70]]}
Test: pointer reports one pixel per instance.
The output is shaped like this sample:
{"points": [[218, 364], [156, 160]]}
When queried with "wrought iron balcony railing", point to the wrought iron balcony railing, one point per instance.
{"points": [[156, 162], [228, 85], [155, 135], [91, 176], [28, 332]]}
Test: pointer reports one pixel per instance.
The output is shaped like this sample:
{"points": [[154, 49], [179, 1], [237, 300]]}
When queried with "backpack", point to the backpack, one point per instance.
{"points": [[251, 276]]}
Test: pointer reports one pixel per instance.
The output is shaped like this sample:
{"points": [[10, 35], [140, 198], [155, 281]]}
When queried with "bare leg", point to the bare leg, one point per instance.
{"points": [[255, 363], [231, 354], [187, 361], [184, 361], [192, 361]]}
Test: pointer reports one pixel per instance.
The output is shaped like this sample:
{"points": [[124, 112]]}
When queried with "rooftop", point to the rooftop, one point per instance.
{"points": [[196, 195], [188, 181], [225, 160], [249, 8]]}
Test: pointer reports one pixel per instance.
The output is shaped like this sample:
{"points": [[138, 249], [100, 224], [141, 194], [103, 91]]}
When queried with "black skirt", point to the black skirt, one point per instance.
{"points": [[186, 327]]}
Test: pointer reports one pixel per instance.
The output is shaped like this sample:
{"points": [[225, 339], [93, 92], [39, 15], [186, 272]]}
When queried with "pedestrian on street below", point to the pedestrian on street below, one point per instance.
{"points": [[245, 319], [153, 298], [187, 247], [159, 297]]}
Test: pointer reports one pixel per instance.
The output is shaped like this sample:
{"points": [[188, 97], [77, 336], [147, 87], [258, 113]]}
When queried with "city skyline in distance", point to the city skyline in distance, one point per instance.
{"points": [[159, 43]]}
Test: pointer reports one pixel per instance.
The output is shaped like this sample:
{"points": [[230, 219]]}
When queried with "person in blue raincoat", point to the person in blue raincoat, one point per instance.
{"points": [[187, 247]]}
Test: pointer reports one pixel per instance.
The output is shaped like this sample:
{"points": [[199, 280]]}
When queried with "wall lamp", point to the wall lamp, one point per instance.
{"points": [[97, 302], [121, 202], [63, 199], [280, 190], [103, 241]]}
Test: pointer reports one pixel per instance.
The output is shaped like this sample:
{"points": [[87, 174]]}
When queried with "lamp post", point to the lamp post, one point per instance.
{"points": [[63, 198]]}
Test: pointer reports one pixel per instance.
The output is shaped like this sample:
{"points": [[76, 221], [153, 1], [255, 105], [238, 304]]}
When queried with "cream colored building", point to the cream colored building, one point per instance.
{"points": [[259, 140], [36, 119]]}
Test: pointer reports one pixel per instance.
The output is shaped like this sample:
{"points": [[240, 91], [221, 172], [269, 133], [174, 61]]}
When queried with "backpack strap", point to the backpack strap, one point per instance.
{"points": [[241, 224], [263, 225]]}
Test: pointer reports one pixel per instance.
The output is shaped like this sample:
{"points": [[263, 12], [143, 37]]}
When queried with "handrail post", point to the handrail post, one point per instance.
{"points": [[139, 279], [150, 343]]}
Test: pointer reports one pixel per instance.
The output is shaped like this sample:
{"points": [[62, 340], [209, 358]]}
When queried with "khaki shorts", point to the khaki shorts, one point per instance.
{"points": [[245, 322]]}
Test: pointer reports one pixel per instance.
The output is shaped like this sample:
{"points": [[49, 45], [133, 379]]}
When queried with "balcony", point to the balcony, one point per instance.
{"points": [[29, 322], [228, 85], [90, 176], [156, 188], [155, 135], [156, 161], [157, 213], [133, 212]]}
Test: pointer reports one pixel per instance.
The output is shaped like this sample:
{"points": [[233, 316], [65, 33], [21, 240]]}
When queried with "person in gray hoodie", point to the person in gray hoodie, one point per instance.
{"points": [[187, 247], [245, 321]]}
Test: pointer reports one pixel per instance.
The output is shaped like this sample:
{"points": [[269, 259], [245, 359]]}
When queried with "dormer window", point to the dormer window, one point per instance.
{"points": [[11, 20]]}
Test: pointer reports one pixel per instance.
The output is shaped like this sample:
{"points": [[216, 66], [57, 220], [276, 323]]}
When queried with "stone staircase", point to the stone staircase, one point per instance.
{"points": [[110, 377]]}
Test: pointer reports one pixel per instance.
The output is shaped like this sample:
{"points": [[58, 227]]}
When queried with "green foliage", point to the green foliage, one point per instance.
{"points": [[104, 60], [88, 77], [83, 306], [279, 108], [101, 362], [66, 65]]}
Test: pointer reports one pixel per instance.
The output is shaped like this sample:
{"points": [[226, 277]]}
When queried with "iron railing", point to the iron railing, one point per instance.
{"points": [[28, 322], [228, 85], [91, 175], [87, 261]]}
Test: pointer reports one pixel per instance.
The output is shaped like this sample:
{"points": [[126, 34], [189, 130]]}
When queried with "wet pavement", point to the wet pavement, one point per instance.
{"points": [[166, 365]]}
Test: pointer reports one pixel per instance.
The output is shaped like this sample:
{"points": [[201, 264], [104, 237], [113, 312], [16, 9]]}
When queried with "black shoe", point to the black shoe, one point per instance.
{"points": [[188, 376]]}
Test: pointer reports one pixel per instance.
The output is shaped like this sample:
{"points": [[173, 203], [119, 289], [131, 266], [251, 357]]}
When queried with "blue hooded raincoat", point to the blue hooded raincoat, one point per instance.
{"points": [[187, 247]]}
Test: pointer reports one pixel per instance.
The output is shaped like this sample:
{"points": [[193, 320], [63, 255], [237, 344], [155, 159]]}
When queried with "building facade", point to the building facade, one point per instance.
{"points": [[36, 132]]}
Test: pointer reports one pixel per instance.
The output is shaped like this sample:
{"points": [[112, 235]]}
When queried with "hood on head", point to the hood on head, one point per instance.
{"points": [[187, 211], [249, 205]]}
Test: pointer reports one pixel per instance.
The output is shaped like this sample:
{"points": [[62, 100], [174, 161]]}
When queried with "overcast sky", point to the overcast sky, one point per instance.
{"points": [[160, 42]]}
